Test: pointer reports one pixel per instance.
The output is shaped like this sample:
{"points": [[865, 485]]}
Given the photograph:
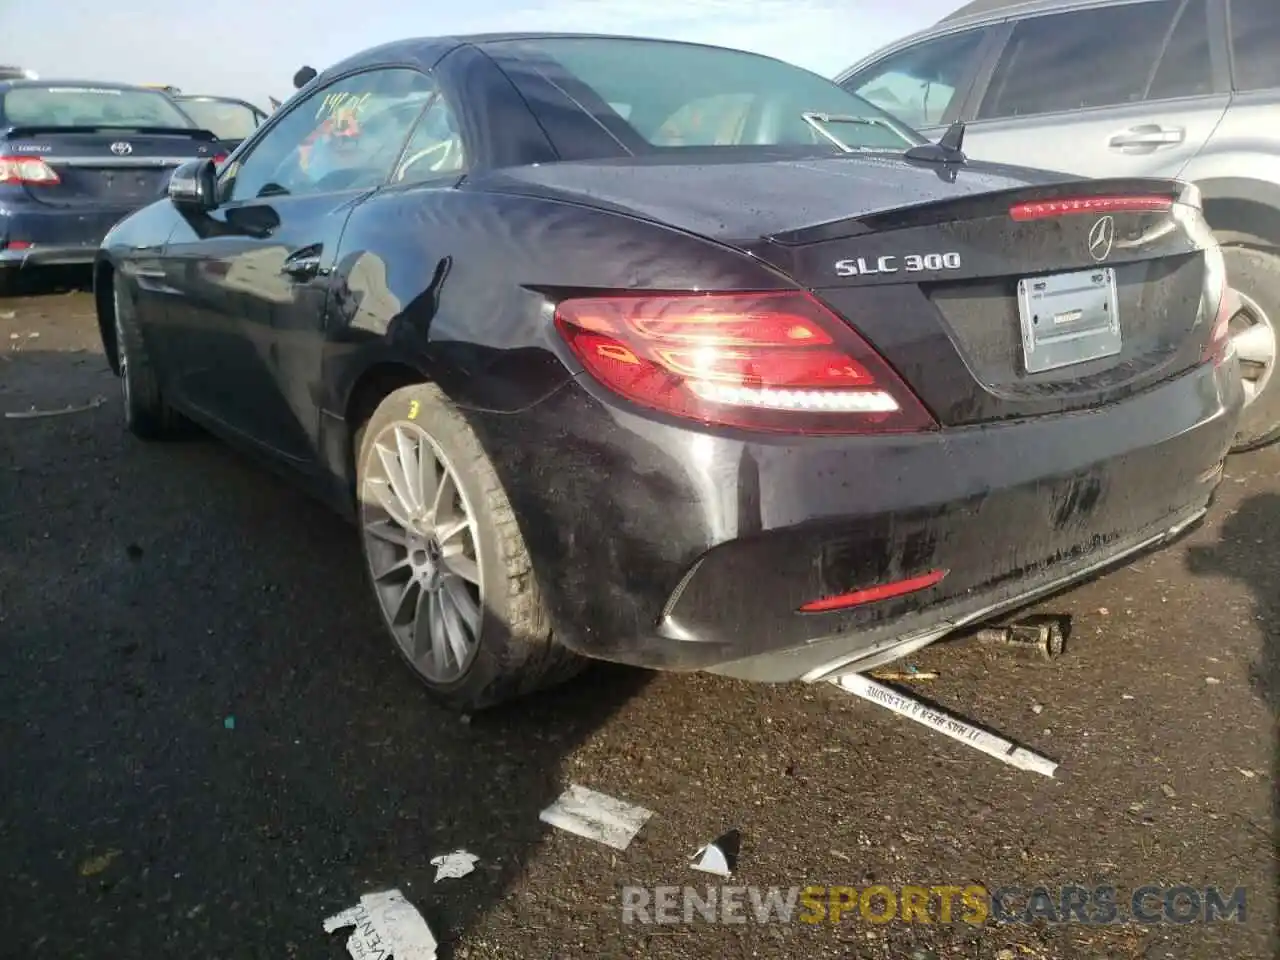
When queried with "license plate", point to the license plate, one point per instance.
{"points": [[1068, 318]]}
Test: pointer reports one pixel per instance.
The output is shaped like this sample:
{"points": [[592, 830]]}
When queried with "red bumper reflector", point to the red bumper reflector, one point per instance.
{"points": [[1046, 209], [883, 591]]}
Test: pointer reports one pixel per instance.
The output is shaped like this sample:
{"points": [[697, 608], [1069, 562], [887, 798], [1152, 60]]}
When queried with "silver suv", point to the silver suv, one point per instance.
{"points": [[1180, 88]]}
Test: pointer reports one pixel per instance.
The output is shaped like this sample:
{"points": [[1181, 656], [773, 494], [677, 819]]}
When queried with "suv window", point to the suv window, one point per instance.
{"points": [[345, 136], [918, 84], [1185, 69], [1255, 42], [1099, 57]]}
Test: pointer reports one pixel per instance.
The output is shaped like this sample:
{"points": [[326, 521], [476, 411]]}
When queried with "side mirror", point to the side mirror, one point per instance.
{"points": [[193, 186]]}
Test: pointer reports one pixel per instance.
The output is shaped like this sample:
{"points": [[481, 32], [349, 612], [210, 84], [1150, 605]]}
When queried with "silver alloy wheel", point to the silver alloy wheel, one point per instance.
{"points": [[122, 355], [422, 547], [1254, 339]]}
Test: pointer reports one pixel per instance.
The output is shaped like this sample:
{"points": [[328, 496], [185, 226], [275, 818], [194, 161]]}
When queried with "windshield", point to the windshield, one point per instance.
{"points": [[90, 107], [225, 119], [684, 95]]}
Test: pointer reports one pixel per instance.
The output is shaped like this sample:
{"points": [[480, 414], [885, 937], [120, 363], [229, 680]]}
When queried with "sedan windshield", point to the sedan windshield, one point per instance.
{"points": [[226, 119], [684, 95], [90, 107]]}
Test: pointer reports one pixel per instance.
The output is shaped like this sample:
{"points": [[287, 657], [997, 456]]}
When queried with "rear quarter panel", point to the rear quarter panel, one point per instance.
{"points": [[460, 284]]}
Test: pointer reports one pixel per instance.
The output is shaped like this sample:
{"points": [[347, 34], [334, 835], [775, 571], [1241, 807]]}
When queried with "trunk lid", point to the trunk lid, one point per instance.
{"points": [[929, 265], [105, 167], [727, 198]]}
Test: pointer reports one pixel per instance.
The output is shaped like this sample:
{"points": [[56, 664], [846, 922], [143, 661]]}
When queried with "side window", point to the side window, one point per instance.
{"points": [[1185, 69], [345, 136], [434, 148], [1255, 43], [1099, 57], [917, 85]]}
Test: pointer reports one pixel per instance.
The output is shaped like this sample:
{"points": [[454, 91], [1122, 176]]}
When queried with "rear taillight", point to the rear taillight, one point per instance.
{"points": [[218, 158], [767, 361], [1222, 300], [27, 170], [1045, 209]]}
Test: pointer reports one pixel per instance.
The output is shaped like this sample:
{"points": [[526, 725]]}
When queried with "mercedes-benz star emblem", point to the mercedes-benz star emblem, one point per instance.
{"points": [[120, 148], [1101, 236]]}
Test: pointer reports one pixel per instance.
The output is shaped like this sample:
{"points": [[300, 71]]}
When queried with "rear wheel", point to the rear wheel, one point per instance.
{"points": [[146, 414], [446, 560], [1255, 275], [8, 282]]}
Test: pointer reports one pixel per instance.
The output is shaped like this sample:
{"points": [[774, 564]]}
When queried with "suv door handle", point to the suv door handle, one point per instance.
{"points": [[304, 263], [1148, 135]]}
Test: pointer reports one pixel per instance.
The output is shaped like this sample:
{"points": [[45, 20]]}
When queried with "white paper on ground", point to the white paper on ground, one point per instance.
{"points": [[596, 816], [387, 927], [456, 864], [953, 727], [711, 859]]}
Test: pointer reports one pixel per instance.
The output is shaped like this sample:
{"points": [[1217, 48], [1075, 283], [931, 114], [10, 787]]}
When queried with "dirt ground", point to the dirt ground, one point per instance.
{"points": [[209, 747]]}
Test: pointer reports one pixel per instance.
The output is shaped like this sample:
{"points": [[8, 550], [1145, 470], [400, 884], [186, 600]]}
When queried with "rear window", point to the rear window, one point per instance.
{"points": [[226, 120], [89, 107], [674, 95]]}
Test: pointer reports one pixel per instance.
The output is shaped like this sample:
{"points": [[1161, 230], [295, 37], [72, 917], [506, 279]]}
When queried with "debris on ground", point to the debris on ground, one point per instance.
{"points": [[890, 676], [229, 722], [387, 927], [596, 816], [96, 865], [1213, 681], [450, 866], [33, 414], [1168, 791], [953, 727], [8, 314], [720, 857], [1040, 637]]}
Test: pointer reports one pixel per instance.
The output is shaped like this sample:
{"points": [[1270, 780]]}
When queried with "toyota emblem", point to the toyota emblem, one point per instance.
{"points": [[122, 149], [1101, 237]]}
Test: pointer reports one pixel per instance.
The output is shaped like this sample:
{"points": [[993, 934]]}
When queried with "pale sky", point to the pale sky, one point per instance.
{"points": [[251, 48]]}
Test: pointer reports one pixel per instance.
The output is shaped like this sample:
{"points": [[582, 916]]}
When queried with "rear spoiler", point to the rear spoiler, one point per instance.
{"points": [[36, 130]]}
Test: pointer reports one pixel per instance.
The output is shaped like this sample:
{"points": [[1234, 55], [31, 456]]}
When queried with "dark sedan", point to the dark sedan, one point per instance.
{"points": [[229, 119], [676, 356], [77, 156]]}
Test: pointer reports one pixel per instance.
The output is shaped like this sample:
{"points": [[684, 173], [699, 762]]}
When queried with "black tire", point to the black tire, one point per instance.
{"points": [[516, 652], [146, 415], [8, 282], [1254, 272]]}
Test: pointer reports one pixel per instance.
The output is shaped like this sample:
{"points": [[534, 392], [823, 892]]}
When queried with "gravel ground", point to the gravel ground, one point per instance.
{"points": [[209, 747]]}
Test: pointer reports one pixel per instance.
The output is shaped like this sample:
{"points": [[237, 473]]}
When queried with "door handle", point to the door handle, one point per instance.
{"points": [[303, 264], [1148, 136]]}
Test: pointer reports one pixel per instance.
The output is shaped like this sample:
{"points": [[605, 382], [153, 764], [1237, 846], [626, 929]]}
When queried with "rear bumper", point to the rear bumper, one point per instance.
{"points": [[665, 547], [39, 235]]}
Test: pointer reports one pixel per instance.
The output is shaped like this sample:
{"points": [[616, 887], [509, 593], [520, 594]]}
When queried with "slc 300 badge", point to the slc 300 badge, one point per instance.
{"points": [[912, 263]]}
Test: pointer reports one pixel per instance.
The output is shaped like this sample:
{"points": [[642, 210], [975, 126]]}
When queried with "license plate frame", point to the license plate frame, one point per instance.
{"points": [[1069, 318]]}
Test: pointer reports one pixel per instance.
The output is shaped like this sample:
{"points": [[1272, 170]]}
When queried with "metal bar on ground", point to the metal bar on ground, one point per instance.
{"points": [[990, 744]]}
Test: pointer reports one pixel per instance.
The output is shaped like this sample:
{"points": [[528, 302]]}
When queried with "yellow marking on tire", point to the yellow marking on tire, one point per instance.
{"points": [[414, 407]]}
